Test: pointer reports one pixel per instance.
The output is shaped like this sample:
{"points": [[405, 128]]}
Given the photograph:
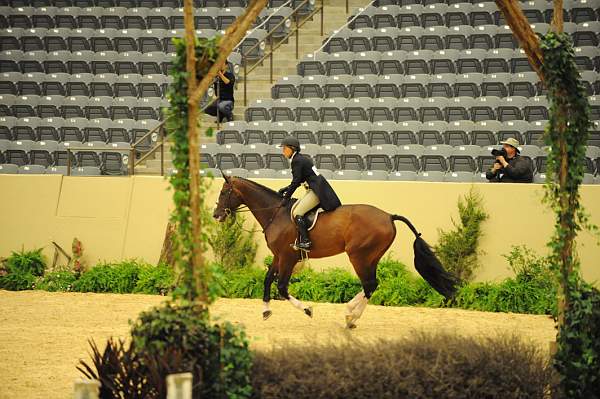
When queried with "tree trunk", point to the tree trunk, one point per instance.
{"points": [[195, 91], [525, 35], [232, 37], [557, 17], [531, 45], [197, 262], [167, 254]]}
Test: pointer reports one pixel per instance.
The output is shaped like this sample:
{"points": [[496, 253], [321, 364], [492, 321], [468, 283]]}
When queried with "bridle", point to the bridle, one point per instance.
{"points": [[244, 208]]}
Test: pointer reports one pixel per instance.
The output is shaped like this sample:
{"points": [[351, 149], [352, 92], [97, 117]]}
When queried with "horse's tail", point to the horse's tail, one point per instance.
{"points": [[428, 265]]}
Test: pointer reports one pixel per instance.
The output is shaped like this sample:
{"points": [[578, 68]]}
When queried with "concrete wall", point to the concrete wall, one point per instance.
{"points": [[117, 218]]}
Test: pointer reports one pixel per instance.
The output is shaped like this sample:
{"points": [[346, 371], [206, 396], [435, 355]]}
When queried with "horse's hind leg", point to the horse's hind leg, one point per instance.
{"points": [[285, 273], [269, 277], [367, 273]]}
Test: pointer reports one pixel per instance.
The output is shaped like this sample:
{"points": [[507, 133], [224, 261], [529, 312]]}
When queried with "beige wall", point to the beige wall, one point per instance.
{"points": [[121, 217]]}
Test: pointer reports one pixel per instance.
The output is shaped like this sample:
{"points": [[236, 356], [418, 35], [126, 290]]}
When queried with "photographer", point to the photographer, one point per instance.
{"points": [[222, 107], [509, 166]]}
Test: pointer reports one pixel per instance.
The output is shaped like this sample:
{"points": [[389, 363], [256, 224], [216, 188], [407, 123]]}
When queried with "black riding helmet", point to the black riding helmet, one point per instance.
{"points": [[291, 141]]}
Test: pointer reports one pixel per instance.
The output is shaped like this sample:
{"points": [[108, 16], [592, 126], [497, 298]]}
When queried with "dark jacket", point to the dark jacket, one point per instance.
{"points": [[518, 170], [225, 91], [303, 170]]}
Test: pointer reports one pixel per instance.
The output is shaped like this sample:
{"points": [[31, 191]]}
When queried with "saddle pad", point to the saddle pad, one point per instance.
{"points": [[311, 216]]}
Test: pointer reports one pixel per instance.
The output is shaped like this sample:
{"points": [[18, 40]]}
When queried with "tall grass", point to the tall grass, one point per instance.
{"points": [[421, 366]]}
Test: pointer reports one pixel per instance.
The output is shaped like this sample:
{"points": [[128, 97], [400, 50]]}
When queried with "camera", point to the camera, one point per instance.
{"points": [[498, 153]]}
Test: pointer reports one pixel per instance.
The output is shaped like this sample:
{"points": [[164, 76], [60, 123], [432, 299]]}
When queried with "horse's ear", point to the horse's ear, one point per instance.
{"points": [[224, 176]]}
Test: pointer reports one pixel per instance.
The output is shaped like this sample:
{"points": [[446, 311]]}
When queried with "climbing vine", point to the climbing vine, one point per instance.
{"points": [[189, 283], [578, 354]]}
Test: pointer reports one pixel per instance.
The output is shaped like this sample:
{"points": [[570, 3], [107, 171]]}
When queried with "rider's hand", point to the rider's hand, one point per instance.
{"points": [[282, 191]]}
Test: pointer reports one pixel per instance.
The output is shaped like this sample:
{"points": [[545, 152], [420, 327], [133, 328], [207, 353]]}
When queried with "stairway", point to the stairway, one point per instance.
{"points": [[284, 64]]}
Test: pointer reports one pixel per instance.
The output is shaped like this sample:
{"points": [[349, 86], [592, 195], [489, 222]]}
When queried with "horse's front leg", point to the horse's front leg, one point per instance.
{"points": [[282, 286], [269, 277]]}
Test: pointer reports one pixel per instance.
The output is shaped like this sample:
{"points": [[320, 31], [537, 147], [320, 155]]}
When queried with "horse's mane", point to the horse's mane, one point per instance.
{"points": [[260, 186]]}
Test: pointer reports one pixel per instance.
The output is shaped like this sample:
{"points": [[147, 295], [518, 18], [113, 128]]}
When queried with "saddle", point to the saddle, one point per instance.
{"points": [[310, 216]]}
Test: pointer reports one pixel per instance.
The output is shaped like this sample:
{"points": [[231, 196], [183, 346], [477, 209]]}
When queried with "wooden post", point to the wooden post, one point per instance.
{"points": [[197, 263], [179, 386], [530, 43], [86, 389], [525, 35], [557, 17]]}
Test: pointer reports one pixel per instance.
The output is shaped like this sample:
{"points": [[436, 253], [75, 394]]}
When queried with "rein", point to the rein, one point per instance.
{"points": [[245, 208]]}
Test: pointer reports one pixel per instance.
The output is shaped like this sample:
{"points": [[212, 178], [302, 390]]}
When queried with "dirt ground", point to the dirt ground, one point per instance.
{"points": [[43, 335]]}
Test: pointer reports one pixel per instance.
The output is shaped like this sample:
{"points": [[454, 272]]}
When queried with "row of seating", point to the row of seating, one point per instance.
{"points": [[109, 163], [441, 14], [82, 107], [459, 37], [523, 84], [121, 41], [404, 109], [390, 150], [77, 85], [430, 62], [376, 162], [137, 18], [386, 132], [29, 130], [378, 175], [566, 4], [54, 170], [123, 3], [87, 66]]}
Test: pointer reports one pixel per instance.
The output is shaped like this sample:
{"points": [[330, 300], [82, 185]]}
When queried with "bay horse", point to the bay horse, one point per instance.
{"points": [[364, 232]]}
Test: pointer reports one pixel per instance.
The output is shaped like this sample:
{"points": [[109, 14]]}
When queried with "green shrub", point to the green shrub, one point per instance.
{"points": [[155, 280], [31, 262], [268, 261], [578, 357], [61, 280], [457, 248], [20, 270], [532, 290], [218, 355], [243, 283], [232, 246], [17, 281], [422, 366], [397, 286], [333, 285], [118, 278]]}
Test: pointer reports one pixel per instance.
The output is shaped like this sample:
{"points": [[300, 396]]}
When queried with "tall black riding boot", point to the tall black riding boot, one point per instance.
{"points": [[304, 242]]}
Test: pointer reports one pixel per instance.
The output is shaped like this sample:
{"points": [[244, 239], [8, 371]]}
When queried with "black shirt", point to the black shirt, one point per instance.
{"points": [[303, 170], [225, 91], [518, 170]]}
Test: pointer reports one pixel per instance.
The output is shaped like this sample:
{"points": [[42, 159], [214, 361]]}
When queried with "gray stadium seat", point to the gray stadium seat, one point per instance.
{"points": [[9, 169], [32, 170], [348, 175], [431, 176], [374, 175], [459, 177], [403, 176]]}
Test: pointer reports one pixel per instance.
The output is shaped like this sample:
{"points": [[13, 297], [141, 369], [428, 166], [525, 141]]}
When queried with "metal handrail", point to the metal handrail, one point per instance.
{"points": [[295, 30], [264, 21], [161, 145]]}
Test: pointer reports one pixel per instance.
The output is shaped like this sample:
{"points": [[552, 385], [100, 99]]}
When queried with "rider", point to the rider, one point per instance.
{"points": [[318, 191]]}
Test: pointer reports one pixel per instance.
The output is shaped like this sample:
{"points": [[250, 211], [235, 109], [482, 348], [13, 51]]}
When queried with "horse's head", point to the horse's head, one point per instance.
{"points": [[229, 200]]}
